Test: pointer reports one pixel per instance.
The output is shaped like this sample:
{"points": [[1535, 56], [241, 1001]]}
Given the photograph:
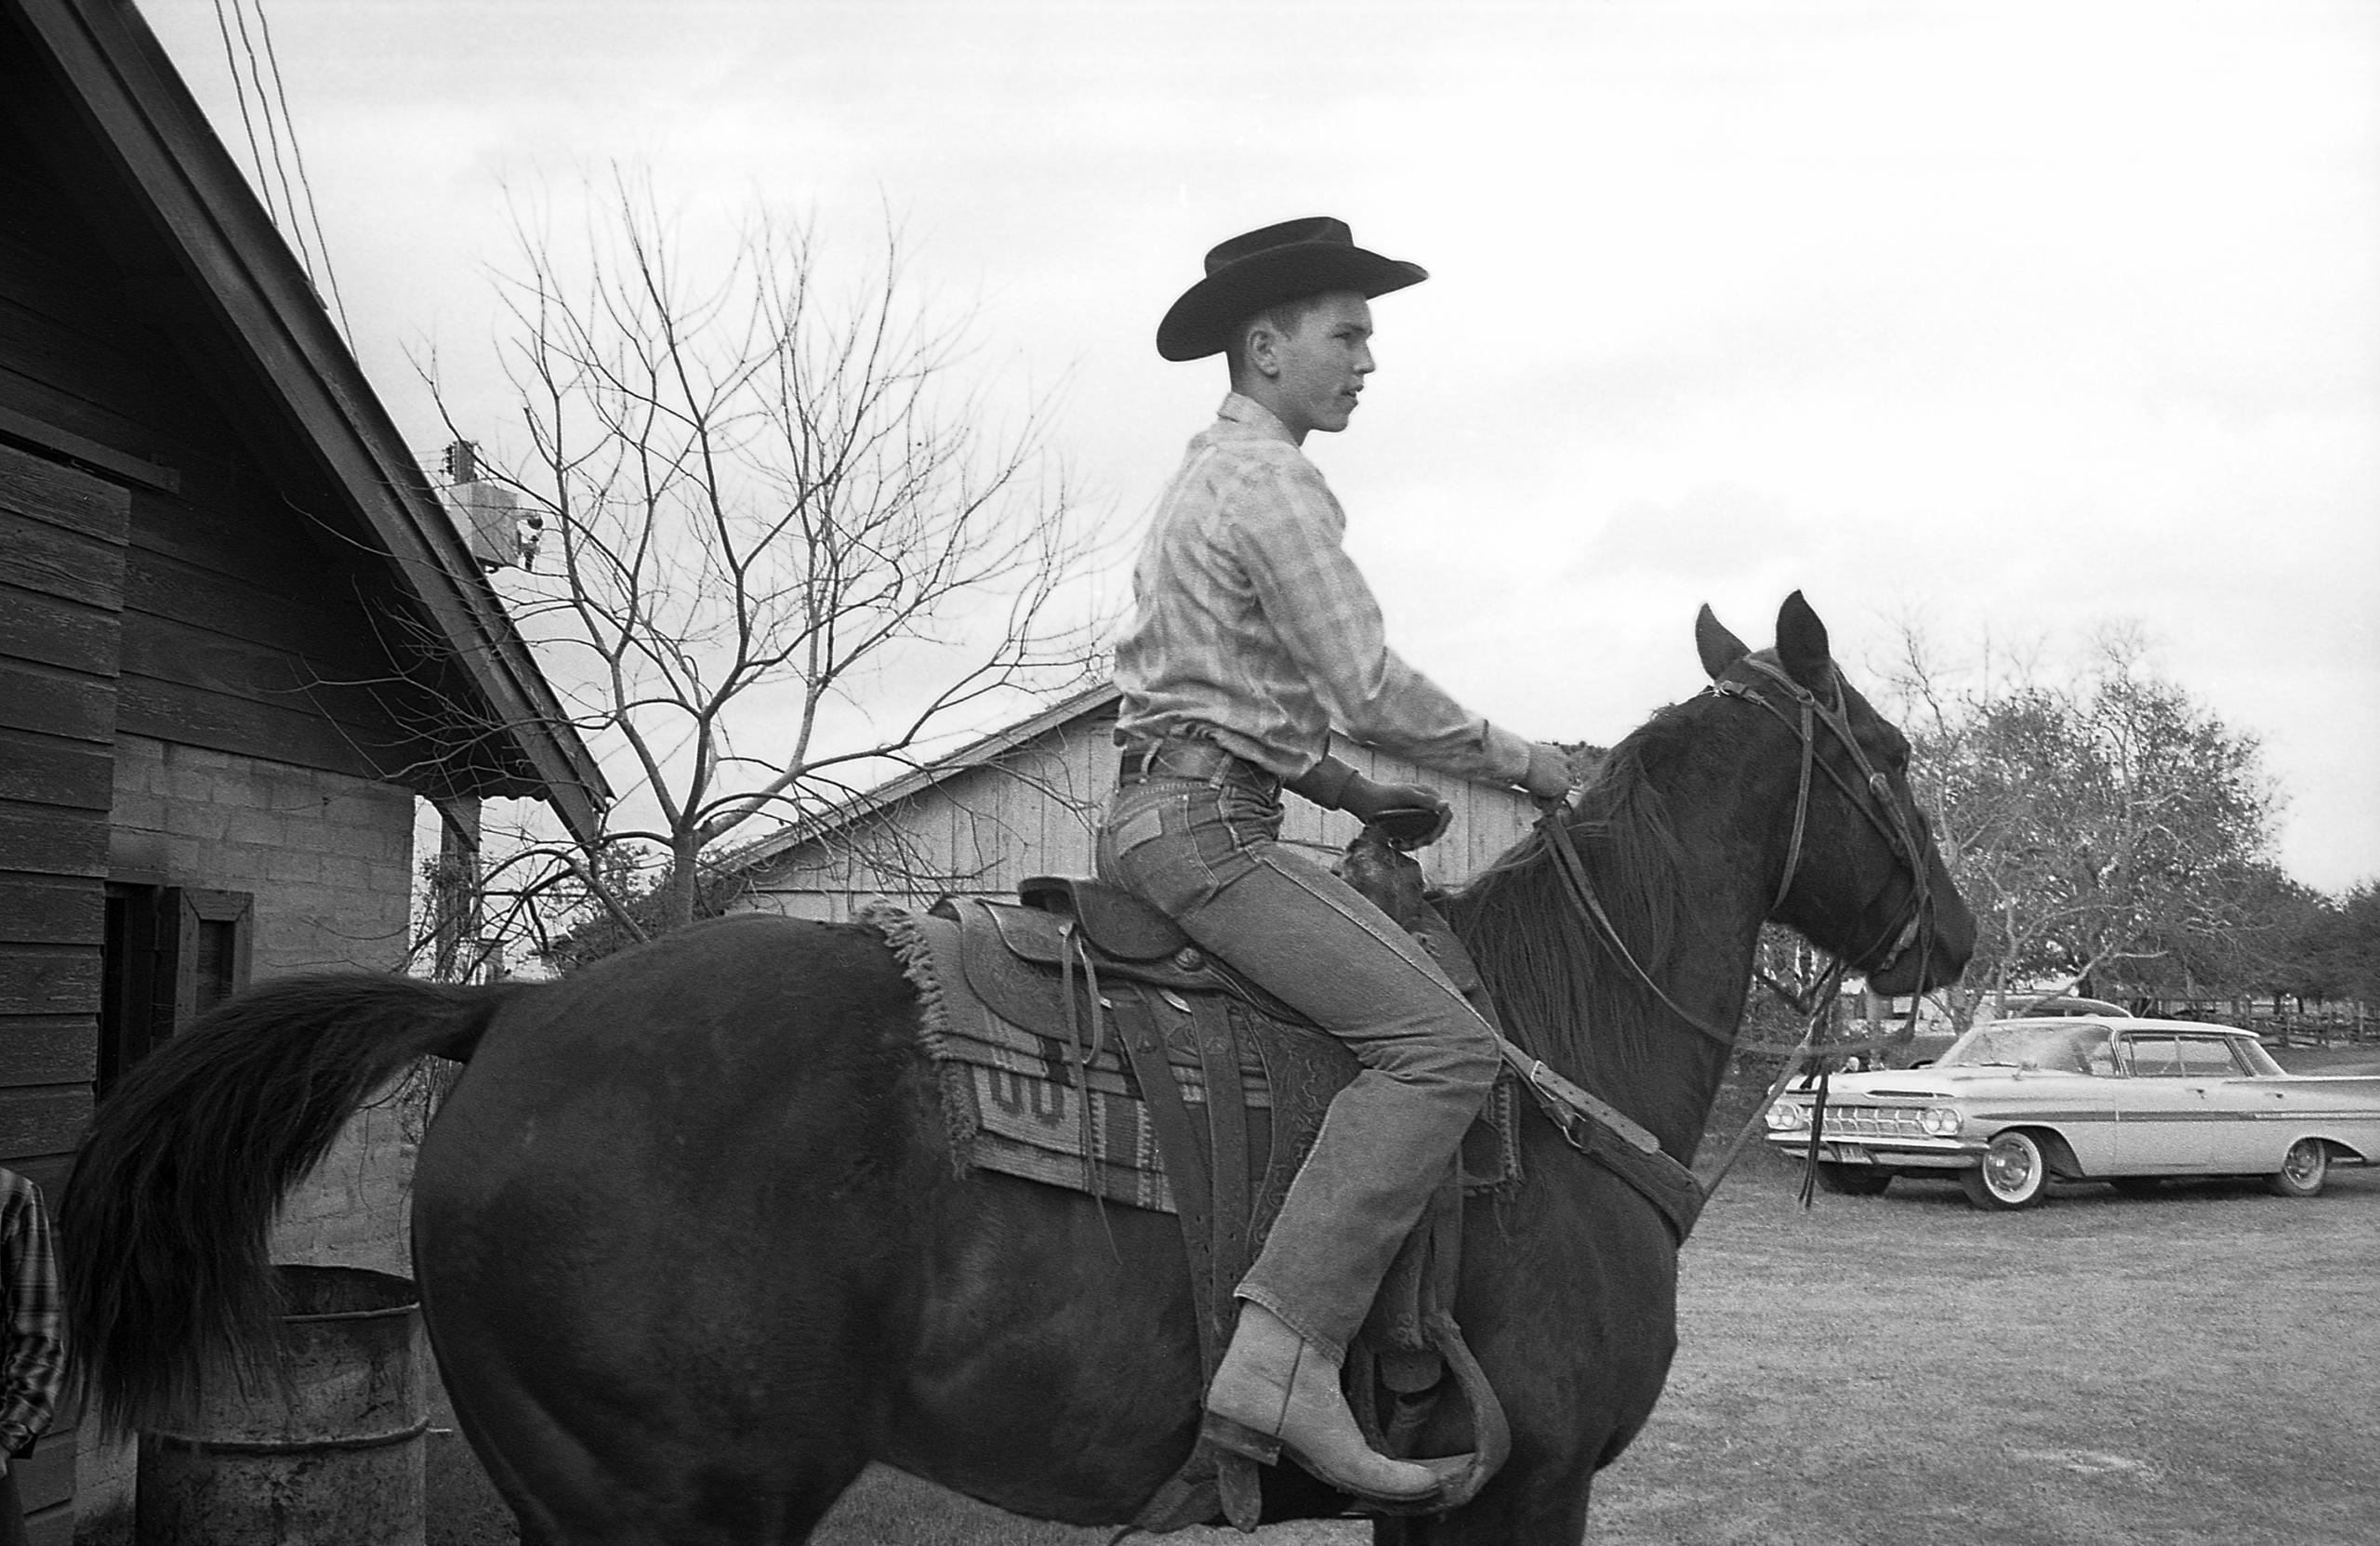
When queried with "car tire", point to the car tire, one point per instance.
{"points": [[2014, 1173], [2137, 1186], [2303, 1171], [1853, 1181]]}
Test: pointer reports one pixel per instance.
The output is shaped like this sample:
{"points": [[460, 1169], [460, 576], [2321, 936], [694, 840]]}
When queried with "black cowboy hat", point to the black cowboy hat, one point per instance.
{"points": [[1264, 268]]}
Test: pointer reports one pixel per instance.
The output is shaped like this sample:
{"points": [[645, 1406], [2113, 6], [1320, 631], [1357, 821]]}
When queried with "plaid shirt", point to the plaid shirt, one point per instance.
{"points": [[34, 1365], [1253, 626]]}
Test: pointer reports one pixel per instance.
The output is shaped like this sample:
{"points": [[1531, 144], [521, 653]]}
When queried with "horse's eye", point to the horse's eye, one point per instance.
{"points": [[1881, 786]]}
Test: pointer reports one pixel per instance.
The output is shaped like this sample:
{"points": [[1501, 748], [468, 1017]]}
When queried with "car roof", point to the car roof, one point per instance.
{"points": [[2125, 1024], [2200, 1026], [2067, 1006]]}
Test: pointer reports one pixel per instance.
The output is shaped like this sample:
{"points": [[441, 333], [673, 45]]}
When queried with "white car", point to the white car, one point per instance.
{"points": [[2017, 1103]]}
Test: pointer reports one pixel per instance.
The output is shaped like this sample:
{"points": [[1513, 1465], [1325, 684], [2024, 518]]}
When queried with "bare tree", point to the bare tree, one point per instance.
{"points": [[786, 545], [2104, 823]]}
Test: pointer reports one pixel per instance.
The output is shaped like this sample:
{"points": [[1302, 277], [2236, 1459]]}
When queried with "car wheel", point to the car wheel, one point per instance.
{"points": [[1853, 1181], [2013, 1174], [2135, 1187], [2303, 1171]]}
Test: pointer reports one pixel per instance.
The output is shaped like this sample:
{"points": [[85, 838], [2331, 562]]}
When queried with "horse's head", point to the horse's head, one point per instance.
{"points": [[1857, 872]]}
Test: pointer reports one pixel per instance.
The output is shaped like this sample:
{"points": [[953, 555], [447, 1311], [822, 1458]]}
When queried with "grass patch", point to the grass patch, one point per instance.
{"points": [[2195, 1366]]}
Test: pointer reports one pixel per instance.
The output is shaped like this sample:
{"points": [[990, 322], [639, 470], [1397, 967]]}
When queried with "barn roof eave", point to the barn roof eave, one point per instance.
{"points": [[138, 104], [976, 754]]}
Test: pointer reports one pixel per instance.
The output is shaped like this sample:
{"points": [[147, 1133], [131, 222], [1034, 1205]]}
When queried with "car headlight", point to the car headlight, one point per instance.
{"points": [[1788, 1116], [1941, 1121]]}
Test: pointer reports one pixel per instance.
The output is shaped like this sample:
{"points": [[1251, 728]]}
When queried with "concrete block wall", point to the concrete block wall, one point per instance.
{"points": [[329, 859]]}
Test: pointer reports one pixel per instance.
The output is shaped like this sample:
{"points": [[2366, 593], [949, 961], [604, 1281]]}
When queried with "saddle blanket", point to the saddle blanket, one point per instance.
{"points": [[1012, 1102]]}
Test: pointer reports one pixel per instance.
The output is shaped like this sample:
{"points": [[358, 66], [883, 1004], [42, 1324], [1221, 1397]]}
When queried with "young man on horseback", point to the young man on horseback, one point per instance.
{"points": [[1254, 635]]}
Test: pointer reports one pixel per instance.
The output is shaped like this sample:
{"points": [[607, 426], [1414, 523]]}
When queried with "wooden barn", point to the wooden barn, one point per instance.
{"points": [[238, 634], [1025, 801]]}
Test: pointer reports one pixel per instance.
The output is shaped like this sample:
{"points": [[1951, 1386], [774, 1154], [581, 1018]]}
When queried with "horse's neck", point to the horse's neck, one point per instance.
{"points": [[1722, 889], [1697, 916]]}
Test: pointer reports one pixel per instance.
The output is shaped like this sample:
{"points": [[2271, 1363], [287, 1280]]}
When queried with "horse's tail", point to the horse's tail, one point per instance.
{"points": [[163, 1224]]}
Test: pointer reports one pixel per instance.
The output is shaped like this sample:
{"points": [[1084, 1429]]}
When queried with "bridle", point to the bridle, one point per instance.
{"points": [[1899, 836], [1873, 798]]}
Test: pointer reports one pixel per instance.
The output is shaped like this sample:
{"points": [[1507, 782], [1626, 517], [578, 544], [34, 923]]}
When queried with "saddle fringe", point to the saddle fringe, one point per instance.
{"points": [[908, 941]]}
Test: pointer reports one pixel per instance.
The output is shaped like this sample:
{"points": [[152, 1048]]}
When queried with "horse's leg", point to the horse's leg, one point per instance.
{"points": [[566, 1493], [665, 1229], [1551, 1511], [1569, 1299], [1053, 1367]]}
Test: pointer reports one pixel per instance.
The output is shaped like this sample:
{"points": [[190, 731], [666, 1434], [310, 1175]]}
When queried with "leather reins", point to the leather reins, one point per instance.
{"points": [[1874, 791]]}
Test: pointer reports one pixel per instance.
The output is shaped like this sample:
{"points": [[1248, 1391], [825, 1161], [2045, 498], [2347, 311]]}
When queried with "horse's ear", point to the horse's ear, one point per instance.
{"points": [[1718, 648], [1801, 645]]}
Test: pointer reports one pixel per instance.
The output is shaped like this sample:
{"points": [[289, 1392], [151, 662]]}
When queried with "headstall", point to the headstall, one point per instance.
{"points": [[1871, 794]]}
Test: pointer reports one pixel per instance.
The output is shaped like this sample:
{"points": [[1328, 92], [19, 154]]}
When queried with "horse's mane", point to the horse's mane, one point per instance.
{"points": [[1564, 995]]}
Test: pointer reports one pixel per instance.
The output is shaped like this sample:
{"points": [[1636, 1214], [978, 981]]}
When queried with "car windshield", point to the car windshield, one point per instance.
{"points": [[2065, 1046]]}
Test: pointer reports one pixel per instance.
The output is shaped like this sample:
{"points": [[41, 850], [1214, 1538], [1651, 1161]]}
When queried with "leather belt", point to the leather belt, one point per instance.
{"points": [[1176, 757]]}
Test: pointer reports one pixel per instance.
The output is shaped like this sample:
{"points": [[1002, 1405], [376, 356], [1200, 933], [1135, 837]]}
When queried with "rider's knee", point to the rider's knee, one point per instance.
{"points": [[1470, 1058]]}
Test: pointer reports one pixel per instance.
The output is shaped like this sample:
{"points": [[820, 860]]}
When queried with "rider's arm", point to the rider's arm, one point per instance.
{"points": [[1287, 529]]}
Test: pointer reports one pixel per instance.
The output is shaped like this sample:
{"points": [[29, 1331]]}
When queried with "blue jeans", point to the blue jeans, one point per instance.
{"points": [[1206, 853], [12, 1508]]}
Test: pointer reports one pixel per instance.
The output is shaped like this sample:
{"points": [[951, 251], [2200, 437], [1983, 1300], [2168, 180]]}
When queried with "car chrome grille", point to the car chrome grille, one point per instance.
{"points": [[1873, 1121]]}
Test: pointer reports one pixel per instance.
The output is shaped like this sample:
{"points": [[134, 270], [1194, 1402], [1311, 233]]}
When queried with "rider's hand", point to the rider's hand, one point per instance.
{"points": [[1409, 816], [1549, 776]]}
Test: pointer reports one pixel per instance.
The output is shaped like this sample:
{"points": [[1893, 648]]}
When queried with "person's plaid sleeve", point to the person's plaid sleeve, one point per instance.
{"points": [[34, 1369], [1326, 618]]}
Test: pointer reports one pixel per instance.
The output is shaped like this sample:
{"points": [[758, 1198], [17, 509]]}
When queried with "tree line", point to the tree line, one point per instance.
{"points": [[2115, 837]]}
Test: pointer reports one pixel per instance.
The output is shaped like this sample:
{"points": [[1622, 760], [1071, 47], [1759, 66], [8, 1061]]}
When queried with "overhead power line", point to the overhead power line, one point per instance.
{"points": [[291, 215]]}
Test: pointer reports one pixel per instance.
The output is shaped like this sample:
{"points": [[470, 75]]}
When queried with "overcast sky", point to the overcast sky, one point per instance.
{"points": [[2008, 318]]}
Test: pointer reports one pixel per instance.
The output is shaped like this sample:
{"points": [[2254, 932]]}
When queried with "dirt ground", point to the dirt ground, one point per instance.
{"points": [[2194, 1368]]}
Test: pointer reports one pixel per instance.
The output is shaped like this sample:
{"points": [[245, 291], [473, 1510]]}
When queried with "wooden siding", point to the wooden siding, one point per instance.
{"points": [[62, 542], [1033, 809], [234, 627], [100, 134], [257, 618]]}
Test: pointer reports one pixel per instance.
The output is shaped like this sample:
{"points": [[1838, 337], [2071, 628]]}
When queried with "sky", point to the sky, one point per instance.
{"points": [[2007, 321]]}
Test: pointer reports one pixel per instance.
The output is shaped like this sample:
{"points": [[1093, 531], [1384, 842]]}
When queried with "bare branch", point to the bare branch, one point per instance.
{"points": [[787, 535]]}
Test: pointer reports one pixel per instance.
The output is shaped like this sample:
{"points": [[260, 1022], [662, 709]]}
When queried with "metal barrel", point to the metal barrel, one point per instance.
{"points": [[324, 1447]]}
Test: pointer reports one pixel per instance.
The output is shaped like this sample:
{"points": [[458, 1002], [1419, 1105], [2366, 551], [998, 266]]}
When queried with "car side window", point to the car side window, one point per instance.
{"points": [[2154, 1057], [2207, 1057]]}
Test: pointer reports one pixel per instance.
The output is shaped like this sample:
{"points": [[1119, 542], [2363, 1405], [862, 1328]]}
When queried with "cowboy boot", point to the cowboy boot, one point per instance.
{"points": [[1275, 1391]]}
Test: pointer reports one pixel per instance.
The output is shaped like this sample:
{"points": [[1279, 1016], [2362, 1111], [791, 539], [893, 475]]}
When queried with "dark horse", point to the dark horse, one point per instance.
{"points": [[693, 1252]]}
